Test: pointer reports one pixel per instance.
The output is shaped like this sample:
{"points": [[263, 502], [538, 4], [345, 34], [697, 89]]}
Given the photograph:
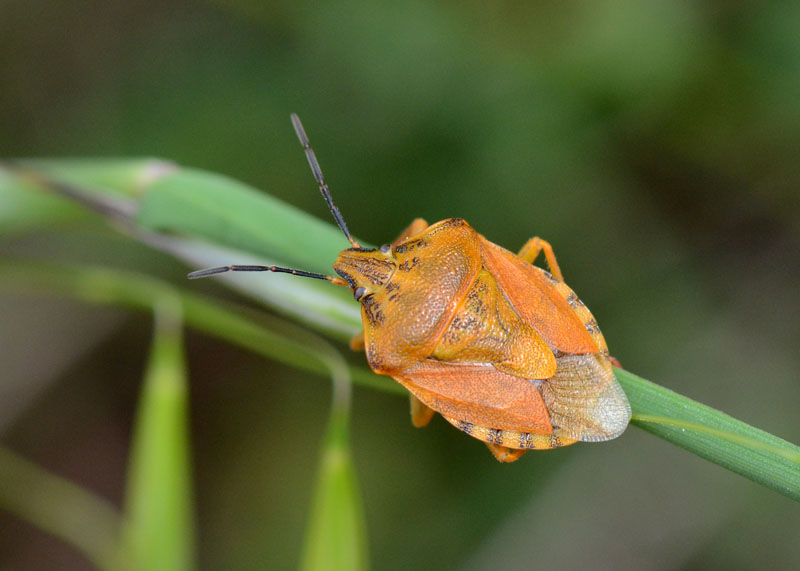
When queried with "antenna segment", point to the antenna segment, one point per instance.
{"points": [[277, 269], [323, 188]]}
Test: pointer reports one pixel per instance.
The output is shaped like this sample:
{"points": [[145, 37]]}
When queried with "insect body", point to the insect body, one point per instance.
{"points": [[502, 349]]}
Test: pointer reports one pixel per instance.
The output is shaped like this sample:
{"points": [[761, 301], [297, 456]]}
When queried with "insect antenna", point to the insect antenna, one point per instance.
{"points": [[312, 161], [276, 269], [323, 188]]}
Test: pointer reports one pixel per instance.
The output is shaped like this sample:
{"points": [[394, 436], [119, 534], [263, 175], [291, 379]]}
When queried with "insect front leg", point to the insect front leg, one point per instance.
{"points": [[421, 414], [531, 250], [357, 342]]}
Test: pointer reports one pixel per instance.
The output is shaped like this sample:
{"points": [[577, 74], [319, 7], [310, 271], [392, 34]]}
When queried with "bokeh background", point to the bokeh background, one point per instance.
{"points": [[655, 144]]}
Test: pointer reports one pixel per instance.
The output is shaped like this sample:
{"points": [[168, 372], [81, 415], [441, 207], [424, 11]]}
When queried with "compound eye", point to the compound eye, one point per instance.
{"points": [[359, 292], [385, 249]]}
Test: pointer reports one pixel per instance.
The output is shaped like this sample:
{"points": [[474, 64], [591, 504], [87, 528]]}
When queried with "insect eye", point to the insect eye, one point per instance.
{"points": [[359, 292], [385, 249]]}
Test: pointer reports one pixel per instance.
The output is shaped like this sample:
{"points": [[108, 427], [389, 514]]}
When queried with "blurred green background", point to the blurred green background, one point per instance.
{"points": [[655, 145]]}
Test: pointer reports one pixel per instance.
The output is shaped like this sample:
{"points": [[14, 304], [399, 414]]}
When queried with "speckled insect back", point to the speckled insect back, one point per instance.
{"points": [[503, 350]]}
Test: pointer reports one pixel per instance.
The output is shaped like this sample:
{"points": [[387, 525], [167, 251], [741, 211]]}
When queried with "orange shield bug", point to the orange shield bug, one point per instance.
{"points": [[502, 349]]}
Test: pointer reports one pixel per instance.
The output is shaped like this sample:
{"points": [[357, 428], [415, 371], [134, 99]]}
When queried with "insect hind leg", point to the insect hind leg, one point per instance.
{"points": [[531, 250], [421, 414], [504, 454]]}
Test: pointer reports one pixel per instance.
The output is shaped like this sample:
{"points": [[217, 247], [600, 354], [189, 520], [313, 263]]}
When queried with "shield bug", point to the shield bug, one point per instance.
{"points": [[502, 349]]}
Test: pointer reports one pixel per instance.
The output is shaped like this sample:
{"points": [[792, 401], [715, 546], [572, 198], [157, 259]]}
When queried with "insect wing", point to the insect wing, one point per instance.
{"points": [[535, 298], [585, 400], [478, 394]]}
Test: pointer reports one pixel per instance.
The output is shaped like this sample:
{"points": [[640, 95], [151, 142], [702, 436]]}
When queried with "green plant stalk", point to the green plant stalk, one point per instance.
{"points": [[261, 229], [158, 531], [268, 336], [714, 435], [165, 204], [336, 535], [57, 506], [336, 531], [772, 462]]}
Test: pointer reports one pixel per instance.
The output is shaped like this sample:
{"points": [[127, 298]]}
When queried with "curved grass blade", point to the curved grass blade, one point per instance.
{"points": [[230, 218], [158, 532], [335, 537], [269, 336], [166, 213], [336, 532]]}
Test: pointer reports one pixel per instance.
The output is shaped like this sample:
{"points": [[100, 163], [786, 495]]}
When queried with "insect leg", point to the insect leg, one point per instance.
{"points": [[357, 341], [417, 226], [531, 250], [504, 454], [420, 413]]}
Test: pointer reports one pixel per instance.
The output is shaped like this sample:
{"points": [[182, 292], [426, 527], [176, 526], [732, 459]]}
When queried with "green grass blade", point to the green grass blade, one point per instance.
{"points": [[159, 522], [315, 303], [252, 221], [23, 206], [335, 537], [269, 336], [714, 435], [59, 507], [251, 228], [162, 197], [706, 432], [168, 200], [336, 533]]}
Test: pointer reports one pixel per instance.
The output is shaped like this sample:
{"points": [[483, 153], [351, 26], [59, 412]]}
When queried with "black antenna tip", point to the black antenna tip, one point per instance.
{"points": [[298, 128], [208, 272]]}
